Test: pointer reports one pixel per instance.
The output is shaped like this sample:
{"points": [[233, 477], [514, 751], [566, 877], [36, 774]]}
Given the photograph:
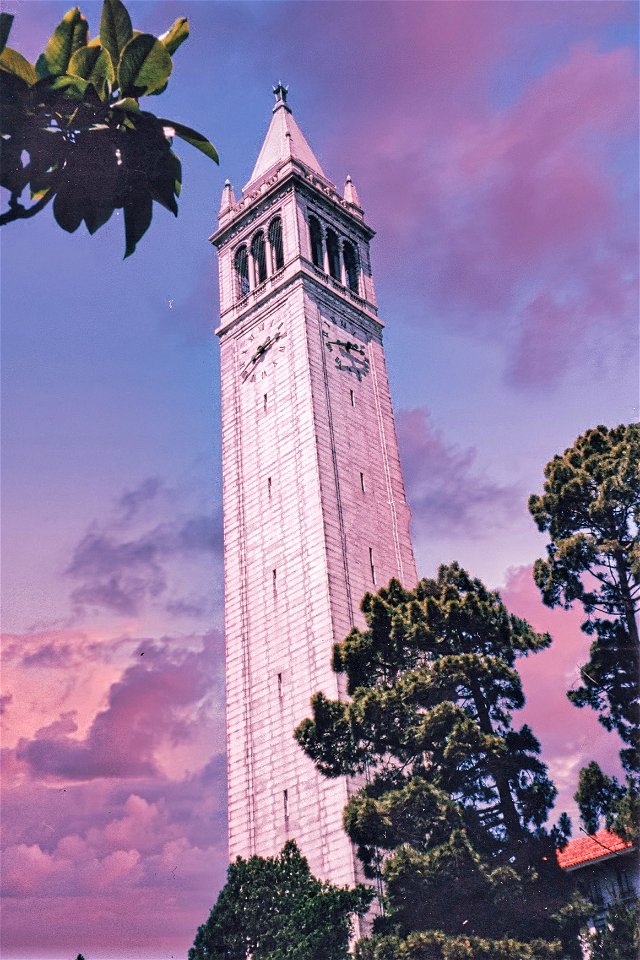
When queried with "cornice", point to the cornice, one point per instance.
{"points": [[297, 175]]}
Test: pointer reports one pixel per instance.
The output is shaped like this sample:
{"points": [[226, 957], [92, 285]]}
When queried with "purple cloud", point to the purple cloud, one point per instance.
{"points": [[147, 708], [446, 492], [5, 700], [49, 655], [124, 562]]}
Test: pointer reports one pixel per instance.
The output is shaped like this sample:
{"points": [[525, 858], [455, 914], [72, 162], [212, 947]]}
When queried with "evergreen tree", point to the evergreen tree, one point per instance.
{"points": [[619, 939], [603, 801], [591, 510], [454, 799], [274, 909]]}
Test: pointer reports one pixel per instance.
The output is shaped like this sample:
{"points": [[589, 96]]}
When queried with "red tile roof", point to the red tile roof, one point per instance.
{"points": [[583, 849]]}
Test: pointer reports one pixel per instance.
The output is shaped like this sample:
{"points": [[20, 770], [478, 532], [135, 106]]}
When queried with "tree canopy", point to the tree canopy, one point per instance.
{"points": [[591, 509], [274, 909], [454, 799], [73, 131], [619, 937]]}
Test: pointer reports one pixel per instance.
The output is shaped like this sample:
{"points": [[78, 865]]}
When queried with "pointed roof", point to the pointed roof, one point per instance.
{"points": [[284, 141]]}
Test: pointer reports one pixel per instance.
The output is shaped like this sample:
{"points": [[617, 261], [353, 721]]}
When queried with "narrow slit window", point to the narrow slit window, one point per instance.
{"points": [[259, 257], [241, 263], [280, 686], [371, 564], [362, 487], [285, 804], [333, 254], [315, 237], [269, 487], [353, 399], [274, 582], [350, 256], [264, 403], [275, 242]]}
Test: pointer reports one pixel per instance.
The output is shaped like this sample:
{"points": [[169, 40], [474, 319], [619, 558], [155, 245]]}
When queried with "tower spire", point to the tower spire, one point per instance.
{"points": [[284, 141]]}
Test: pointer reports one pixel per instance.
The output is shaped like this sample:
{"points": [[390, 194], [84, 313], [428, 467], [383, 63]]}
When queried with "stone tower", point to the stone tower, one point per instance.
{"points": [[314, 506]]}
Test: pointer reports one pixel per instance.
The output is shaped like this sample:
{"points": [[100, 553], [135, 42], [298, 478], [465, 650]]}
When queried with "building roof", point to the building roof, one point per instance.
{"points": [[284, 141], [597, 846]]}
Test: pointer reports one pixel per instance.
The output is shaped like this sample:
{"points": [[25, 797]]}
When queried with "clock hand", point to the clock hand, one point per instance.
{"points": [[262, 349]]}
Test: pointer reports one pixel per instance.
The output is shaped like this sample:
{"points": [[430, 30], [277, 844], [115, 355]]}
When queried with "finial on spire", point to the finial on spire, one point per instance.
{"points": [[281, 92], [228, 199], [351, 194]]}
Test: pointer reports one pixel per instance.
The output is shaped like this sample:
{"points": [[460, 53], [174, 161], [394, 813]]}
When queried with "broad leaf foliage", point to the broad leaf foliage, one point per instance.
{"points": [[73, 131]]}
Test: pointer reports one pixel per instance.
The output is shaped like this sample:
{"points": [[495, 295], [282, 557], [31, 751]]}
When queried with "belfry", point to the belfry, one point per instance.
{"points": [[315, 513]]}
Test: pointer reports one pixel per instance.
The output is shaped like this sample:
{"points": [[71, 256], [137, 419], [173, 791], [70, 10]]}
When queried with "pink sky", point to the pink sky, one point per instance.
{"points": [[494, 147]]}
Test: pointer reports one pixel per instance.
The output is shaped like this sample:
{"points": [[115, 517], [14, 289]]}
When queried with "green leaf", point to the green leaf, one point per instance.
{"points": [[13, 62], [96, 213], [115, 28], [144, 66], [162, 181], [39, 194], [175, 35], [193, 137], [6, 19], [137, 219], [130, 104], [177, 173], [71, 33], [160, 90], [94, 64], [66, 210], [14, 176], [67, 85]]}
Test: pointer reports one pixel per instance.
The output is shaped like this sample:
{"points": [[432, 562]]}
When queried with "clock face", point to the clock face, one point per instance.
{"points": [[344, 342], [260, 349]]}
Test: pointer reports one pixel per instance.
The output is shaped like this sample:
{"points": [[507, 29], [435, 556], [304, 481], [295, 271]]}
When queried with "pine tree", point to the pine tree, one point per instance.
{"points": [[619, 938], [454, 799], [591, 510], [274, 909], [602, 800]]}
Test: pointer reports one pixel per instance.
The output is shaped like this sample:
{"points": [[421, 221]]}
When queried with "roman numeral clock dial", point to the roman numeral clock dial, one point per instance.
{"points": [[344, 343], [260, 349]]}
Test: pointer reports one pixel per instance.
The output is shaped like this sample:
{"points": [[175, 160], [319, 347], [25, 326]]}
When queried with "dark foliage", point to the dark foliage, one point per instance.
{"points": [[591, 510], [452, 815], [73, 131], [619, 938], [274, 909]]}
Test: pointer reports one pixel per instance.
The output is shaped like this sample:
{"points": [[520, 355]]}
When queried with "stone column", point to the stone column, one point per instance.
{"points": [[325, 255]]}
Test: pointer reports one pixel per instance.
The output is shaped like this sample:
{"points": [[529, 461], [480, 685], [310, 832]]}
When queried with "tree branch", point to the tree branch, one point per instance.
{"points": [[23, 213]]}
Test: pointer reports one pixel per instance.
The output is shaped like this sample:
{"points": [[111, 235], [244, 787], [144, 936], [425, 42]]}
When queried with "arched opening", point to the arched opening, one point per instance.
{"points": [[259, 257], [315, 235], [275, 242], [241, 263], [333, 255], [350, 255]]}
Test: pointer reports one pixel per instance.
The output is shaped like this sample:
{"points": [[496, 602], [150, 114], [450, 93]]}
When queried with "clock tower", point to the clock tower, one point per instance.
{"points": [[315, 513]]}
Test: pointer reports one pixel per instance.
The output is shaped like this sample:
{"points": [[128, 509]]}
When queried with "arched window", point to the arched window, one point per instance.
{"points": [[351, 265], [333, 254], [241, 263], [315, 235], [259, 257], [275, 242]]}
